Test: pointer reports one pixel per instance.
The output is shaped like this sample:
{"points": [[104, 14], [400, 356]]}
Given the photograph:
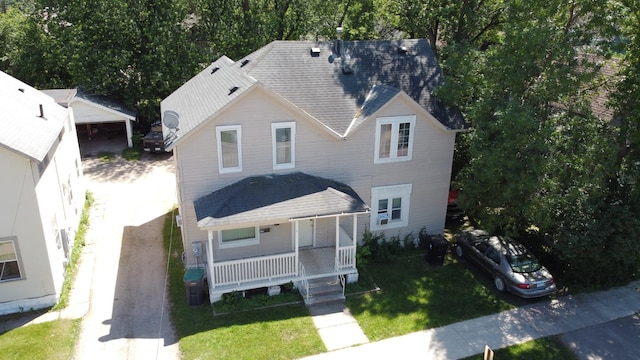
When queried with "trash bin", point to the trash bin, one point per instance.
{"points": [[194, 286], [438, 247]]}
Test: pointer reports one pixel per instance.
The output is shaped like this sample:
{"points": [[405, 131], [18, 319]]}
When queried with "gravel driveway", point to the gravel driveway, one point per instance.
{"points": [[128, 314]]}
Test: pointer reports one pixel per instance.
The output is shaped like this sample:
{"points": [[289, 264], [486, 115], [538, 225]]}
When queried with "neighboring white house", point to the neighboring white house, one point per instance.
{"points": [[285, 157], [92, 112], [42, 194]]}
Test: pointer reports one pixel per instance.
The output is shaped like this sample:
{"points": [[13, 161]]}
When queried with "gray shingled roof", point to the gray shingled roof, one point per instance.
{"points": [[318, 84], [22, 129], [204, 95], [276, 197]]}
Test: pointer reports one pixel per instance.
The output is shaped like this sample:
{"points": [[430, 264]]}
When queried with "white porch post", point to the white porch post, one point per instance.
{"points": [[296, 242], [127, 123], [337, 242], [210, 259], [354, 237]]}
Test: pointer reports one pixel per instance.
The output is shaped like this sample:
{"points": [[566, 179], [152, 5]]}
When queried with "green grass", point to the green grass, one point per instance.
{"points": [[414, 296], [132, 153], [282, 332], [51, 340], [106, 156], [549, 348], [78, 245]]}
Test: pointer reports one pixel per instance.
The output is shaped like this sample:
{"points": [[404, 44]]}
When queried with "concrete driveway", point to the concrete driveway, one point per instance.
{"points": [[128, 315]]}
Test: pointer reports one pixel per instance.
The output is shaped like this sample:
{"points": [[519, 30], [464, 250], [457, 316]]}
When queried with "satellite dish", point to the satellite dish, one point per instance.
{"points": [[171, 119]]}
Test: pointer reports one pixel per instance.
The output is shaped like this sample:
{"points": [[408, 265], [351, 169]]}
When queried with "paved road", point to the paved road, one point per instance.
{"points": [[128, 316], [617, 339]]}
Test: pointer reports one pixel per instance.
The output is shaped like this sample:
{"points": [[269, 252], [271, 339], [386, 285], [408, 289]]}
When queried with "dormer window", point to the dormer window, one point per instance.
{"points": [[394, 138]]}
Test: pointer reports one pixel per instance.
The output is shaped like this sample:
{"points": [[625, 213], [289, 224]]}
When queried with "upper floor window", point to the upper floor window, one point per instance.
{"points": [[394, 138], [284, 144], [229, 148], [9, 268], [390, 206]]}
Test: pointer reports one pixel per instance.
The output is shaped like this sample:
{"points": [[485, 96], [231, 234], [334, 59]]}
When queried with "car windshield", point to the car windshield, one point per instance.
{"points": [[523, 263]]}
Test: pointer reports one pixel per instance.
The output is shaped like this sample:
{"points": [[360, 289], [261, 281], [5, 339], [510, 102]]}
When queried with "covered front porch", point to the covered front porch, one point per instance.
{"points": [[298, 266], [317, 239]]}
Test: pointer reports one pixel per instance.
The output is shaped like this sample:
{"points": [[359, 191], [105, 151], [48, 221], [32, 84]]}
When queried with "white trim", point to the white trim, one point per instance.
{"points": [[239, 243], [238, 130], [395, 122], [283, 125], [402, 191]]}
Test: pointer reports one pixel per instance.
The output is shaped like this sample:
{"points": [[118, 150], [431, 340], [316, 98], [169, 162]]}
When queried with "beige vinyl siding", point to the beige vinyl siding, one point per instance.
{"points": [[320, 153]]}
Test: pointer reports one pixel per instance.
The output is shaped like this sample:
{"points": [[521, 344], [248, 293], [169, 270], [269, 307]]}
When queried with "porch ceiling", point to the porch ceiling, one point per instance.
{"points": [[276, 197]]}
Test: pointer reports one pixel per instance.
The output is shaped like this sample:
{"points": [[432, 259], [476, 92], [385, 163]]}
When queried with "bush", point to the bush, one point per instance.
{"points": [[423, 239]]}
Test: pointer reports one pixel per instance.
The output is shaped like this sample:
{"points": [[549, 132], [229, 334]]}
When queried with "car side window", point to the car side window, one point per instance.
{"points": [[481, 246], [493, 255]]}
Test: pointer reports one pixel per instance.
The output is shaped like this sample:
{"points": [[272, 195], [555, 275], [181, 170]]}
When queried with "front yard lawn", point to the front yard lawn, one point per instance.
{"points": [[50, 340], [282, 332], [549, 348], [415, 296]]}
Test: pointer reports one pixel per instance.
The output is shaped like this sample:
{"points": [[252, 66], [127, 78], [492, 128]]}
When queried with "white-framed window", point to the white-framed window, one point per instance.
{"points": [[238, 237], [229, 148], [394, 138], [9, 266], [283, 137], [390, 206]]}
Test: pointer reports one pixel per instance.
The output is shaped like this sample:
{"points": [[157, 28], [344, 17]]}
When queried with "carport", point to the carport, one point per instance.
{"points": [[96, 116]]}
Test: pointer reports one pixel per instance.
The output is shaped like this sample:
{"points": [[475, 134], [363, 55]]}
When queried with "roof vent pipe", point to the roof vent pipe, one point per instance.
{"points": [[338, 44], [41, 111]]}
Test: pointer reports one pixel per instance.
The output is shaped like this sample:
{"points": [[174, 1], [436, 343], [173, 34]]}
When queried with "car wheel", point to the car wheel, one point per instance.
{"points": [[459, 251], [499, 283]]}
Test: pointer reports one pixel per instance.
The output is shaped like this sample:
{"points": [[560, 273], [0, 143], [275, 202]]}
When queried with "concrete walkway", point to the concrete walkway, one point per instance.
{"points": [[336, 326], [500, 330]]}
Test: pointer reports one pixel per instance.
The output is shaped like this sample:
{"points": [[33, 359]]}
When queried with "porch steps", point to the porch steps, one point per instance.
{"points": [[324, 290]]}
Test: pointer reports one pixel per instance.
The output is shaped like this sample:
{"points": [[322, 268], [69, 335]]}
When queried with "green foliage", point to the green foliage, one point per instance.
{"points": [[53, 340], [132, 153], [78, 246]]}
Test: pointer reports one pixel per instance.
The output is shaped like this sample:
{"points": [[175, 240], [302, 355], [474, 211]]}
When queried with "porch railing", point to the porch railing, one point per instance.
{"points": [[254, 269], [346, 258]]}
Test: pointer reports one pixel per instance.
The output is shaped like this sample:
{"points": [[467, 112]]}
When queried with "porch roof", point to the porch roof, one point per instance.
{"points": [[276, 197]]}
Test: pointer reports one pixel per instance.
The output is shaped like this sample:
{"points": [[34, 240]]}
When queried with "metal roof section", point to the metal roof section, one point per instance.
{"points": [[66, 97], [30, 120], [276, 197], [61, 96], [203, 96]]}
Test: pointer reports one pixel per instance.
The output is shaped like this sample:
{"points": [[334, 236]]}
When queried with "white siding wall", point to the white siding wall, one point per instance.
{"points": [[321, 154], [20, 218], [44, 204]]}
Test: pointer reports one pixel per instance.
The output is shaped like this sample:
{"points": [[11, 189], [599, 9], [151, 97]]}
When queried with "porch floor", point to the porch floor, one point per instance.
{"points": [[318, 261]]}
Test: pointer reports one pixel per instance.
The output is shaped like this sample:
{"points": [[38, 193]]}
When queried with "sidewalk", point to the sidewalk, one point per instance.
{"points": [[500, 330], [79, 296]]}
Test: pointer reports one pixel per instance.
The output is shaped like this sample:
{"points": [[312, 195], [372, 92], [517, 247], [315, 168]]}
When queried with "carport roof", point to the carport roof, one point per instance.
{"points": [[276, 197]]}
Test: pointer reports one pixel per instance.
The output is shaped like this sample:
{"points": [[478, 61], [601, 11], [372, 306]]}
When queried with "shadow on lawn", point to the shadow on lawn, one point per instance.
{"points": [[429, 296]]}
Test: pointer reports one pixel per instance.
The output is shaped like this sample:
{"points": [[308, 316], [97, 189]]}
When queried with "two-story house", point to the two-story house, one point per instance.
{"points": [[42, 196], [285, 157]]}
